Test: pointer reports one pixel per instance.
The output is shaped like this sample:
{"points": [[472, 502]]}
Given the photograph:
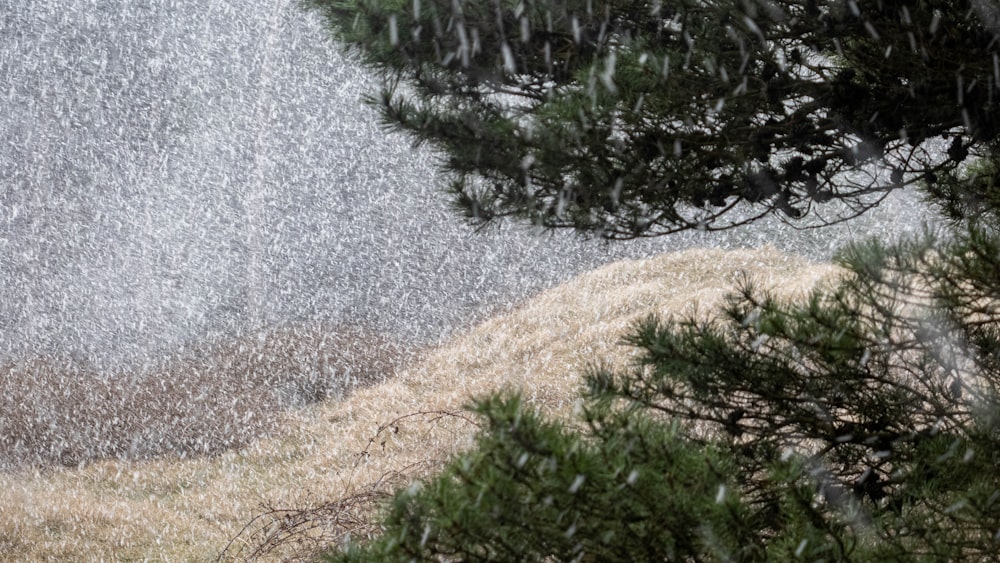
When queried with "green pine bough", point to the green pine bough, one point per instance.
{"points": [[638, 118]]}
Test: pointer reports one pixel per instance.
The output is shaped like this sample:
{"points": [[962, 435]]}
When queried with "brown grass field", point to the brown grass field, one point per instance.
{"points": [[297, 478]]}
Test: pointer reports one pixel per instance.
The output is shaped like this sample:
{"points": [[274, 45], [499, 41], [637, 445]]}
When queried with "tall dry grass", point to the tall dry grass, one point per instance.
{"points": [[318, 476]]}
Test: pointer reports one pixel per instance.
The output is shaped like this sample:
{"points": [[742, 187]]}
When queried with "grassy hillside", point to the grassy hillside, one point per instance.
{"points": [[319, 468]]}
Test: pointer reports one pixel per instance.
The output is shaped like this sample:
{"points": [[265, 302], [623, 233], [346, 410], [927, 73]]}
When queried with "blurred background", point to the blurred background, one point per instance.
{"points": [[173, 171]]}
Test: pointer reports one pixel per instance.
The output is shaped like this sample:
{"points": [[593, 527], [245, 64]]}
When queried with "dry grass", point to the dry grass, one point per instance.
{"points": [[283, 496], [201, 402]]}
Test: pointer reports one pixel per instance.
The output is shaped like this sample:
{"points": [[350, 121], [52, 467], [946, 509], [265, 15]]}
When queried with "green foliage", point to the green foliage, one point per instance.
{"points": [[629, 118], [628, 488], [972, 194], [859, 423], [886, 383]]}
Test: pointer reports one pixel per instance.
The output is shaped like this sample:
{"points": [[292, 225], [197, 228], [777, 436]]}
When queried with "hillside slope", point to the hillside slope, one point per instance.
{"points": [[189, 509]]}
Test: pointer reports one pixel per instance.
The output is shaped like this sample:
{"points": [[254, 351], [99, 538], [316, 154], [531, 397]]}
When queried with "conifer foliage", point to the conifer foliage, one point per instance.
{"points": [[630, 118], [859, 423]]}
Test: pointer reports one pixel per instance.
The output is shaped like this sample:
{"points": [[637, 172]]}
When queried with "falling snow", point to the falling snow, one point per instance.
{"points": [[177, 172]]}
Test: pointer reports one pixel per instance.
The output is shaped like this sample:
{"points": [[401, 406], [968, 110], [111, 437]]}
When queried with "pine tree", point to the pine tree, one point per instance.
{"points": [[885, 387], [629, 118], [629, 488], [859, 423]]}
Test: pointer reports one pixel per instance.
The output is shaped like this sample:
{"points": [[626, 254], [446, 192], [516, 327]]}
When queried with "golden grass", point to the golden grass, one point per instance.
{"points": [[187, 510]]}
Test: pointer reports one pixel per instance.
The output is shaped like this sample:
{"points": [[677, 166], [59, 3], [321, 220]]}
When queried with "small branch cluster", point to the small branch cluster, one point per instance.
{"points": [[305, 532]]}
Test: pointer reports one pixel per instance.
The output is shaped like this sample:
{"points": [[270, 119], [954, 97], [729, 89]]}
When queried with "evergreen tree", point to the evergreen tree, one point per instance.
{"points": [[628, 118], [627, 488], [861, 423]]}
